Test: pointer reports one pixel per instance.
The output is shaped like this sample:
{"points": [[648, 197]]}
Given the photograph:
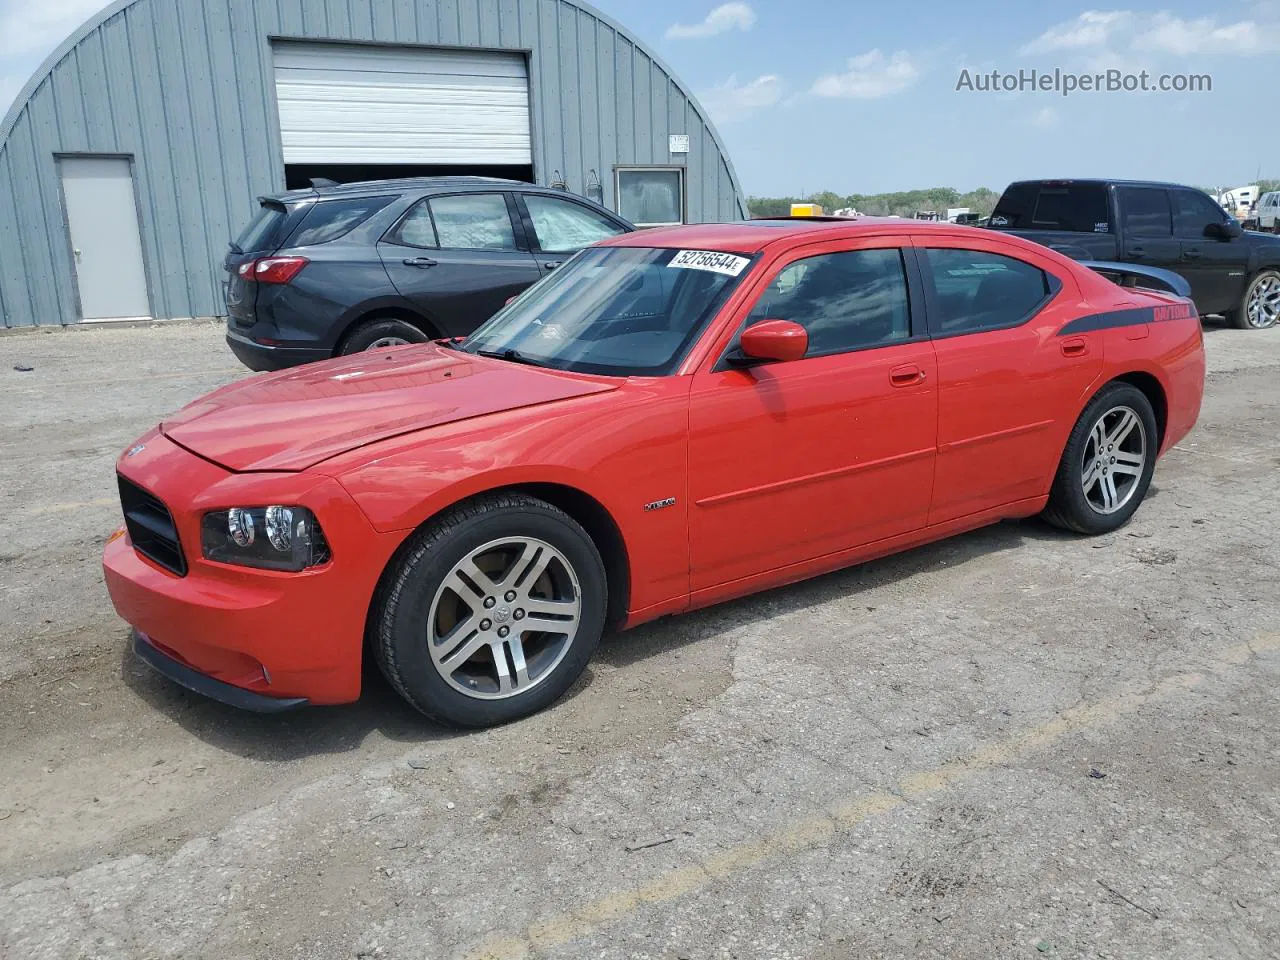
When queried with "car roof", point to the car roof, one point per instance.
{"points": [[752, 236], [1063, 181], [370, 188]]}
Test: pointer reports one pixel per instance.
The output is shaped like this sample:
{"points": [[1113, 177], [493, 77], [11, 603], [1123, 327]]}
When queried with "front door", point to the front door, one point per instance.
{"points": [[1004, 375], [1217, 269], [793, 461], [106, 245], [457, 259]]}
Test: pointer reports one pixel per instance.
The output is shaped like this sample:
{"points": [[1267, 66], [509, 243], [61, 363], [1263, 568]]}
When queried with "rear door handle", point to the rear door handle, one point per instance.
{"points": [[1075, 347], [419, 262], [551, 265], [1192, 254], [1137, 251], [906, 375]]}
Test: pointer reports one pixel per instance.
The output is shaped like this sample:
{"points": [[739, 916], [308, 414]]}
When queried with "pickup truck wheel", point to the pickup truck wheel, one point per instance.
{"points": [[376, 334], [490, 612], [1107, 465], [1260, 306]]}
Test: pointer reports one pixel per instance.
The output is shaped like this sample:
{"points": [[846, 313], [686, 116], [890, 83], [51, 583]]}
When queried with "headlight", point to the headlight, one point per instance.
{"points": [[275, 537]]}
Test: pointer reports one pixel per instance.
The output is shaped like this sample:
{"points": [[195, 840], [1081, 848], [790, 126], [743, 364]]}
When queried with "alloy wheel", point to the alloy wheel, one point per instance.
{"points": [[504, 618], [1263, 308], [387, 342], [1114, 458]]}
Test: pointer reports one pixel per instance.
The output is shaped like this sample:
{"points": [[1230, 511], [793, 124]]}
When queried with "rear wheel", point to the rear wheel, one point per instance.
{"points": [[491, 612], [1107, 466], [376, 334], [1260, 306]]}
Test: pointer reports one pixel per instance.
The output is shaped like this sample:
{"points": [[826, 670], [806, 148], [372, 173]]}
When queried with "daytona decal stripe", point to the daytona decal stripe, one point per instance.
{"points": [[1109, 320]]}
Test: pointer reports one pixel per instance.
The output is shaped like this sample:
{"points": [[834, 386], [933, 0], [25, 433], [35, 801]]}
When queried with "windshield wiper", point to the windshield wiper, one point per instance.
{"points": [[510, 353]]}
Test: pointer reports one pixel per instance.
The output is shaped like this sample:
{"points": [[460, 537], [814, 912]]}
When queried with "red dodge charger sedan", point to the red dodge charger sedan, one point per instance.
{"points": [[674, 418]]}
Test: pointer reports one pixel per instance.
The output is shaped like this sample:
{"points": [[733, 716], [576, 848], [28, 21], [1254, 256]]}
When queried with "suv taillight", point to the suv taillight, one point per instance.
{"points": [[271, 269]]}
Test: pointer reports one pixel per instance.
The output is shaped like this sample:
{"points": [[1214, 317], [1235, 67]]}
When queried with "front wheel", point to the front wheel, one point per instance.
{"points": [[1107, 465], [490, 612], [1260, 306]]}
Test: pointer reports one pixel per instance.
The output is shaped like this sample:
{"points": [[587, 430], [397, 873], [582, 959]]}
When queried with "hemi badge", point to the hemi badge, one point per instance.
{"points": [[659, 504]]}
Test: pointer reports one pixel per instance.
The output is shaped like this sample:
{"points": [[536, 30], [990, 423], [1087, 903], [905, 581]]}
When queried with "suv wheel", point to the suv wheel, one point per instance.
{"points": [[376, 334]]}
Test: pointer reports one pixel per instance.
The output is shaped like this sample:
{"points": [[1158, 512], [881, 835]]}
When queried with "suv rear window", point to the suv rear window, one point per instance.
{"points": [[330, 219], [259, 236], [1074, 207]]}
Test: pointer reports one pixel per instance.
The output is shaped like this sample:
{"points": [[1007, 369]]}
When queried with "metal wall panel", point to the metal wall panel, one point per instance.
{"points": [[186, 89]]}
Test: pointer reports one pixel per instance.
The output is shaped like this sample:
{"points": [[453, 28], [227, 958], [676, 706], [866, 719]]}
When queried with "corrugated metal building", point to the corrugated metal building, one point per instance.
{"points": [[136, 151]]}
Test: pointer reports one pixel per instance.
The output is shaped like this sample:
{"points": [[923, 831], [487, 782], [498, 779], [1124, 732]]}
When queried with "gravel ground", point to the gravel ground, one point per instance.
{"points": [[1015, 743]]}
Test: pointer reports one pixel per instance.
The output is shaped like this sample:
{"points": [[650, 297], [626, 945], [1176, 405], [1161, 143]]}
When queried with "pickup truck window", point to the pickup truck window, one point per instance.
{"points": [[1073, 207], [1144, 211], [1193, 212]]}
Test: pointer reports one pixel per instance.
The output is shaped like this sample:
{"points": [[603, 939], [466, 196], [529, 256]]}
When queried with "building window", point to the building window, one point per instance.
{"points": [[651, 196]]}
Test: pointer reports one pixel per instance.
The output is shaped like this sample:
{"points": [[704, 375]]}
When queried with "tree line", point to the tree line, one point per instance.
{"points": [[903, 204]]}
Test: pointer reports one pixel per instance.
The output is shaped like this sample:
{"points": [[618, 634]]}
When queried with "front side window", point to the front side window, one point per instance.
{"points": [[617, 311], [473, 221], [1144, 211], [1193, 211], [651, 197], [975, 290], [330, 219], [563, 226], [846, 301]]}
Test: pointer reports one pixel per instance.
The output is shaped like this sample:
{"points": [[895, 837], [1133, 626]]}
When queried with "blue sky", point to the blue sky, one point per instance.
{"points": [[857, 96]]}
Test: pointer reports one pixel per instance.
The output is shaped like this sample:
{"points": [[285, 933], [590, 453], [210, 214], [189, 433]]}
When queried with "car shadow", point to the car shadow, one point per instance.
{"points": [[324, 730]]}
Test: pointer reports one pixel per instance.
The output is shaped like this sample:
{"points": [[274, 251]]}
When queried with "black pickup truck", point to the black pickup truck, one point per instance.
{"points": [[1231, 271]]}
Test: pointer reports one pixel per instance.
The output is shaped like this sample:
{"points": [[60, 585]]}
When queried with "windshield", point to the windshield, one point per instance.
{"points": [[619, 311]]}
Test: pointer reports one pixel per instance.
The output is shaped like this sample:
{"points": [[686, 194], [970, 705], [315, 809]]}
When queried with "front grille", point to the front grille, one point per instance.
{"points": [[151, 527]]}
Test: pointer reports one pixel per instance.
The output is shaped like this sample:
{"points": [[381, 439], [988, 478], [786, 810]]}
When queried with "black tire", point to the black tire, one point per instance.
{"points": [[399, 624], [1069, 507], [1238, 316], [367, 335]]}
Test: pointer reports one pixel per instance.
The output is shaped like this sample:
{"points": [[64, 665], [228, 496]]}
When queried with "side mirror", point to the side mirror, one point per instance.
{"points": [[773, 341], [1227, 230]]}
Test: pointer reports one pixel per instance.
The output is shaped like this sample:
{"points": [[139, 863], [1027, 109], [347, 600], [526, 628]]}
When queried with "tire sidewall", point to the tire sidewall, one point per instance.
{"points": [[406, 614], [1070, 495], [367, 333]]}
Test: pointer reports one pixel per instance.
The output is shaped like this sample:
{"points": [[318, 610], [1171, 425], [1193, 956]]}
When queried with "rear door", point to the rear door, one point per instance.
{"points": [[1146, 227], [458, 257], [1217, 269], [1006, 381], [558, 227]]}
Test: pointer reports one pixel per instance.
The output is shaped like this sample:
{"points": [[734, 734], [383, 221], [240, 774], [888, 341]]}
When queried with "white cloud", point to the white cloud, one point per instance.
{"points": [[730, 101], [28, 26], [726, 17], [869, 76], [1046, 118], [1108, 36]]}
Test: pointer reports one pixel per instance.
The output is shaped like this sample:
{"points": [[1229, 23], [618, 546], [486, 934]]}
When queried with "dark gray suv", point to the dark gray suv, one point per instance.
{"points": [[343, 268]]}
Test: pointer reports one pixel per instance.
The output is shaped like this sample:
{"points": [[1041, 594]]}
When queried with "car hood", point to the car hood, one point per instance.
{"points": [[294, 419]]}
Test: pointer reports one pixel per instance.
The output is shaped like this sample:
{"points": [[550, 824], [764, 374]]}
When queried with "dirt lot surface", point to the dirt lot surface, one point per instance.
{"points": [[1016, 743]]}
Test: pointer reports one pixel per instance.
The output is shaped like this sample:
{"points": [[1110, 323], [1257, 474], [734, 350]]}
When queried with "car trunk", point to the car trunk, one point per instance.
{"points": [[260, 238]]}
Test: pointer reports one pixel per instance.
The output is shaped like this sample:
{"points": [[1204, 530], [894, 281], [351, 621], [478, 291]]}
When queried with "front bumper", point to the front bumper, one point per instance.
{"points": [[269, 634], [170, 666], [260, 357]]}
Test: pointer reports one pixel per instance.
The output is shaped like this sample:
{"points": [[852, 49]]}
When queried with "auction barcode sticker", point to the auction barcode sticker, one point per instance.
{"points": [[725, 263]]}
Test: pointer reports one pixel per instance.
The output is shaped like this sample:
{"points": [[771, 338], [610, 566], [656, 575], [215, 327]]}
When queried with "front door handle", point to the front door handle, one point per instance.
{"points": [[1075, 347], [906, 375], [1137, 251], [1192, 254], [419, 262]]}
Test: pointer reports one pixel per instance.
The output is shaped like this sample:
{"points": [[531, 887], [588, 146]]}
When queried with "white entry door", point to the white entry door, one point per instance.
{"points": [[106, 245]]}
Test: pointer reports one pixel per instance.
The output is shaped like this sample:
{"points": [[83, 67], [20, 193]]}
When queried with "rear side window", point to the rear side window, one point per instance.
{"points": [[259, 236], [1193, 211], [846, 301], [976, 291], [1073, 207], [474, 221], [330, 219], [1144, 211]]}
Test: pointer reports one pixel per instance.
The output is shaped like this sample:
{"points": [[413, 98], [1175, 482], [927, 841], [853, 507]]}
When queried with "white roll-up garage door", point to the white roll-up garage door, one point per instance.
{"points": [[370, 104]]}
